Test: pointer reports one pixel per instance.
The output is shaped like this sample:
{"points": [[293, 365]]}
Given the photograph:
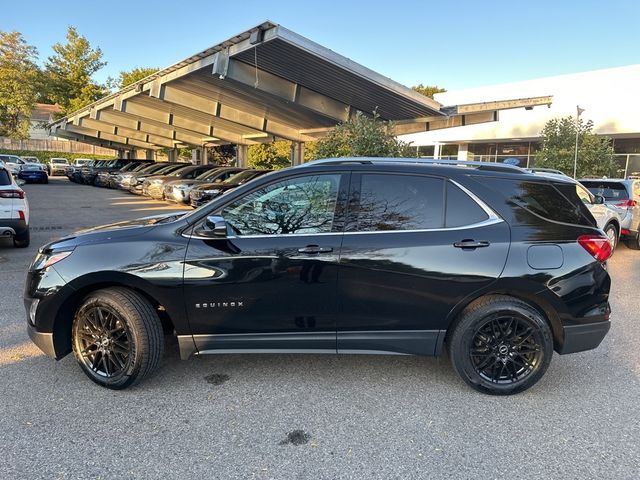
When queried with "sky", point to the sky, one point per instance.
{"points": [[451, 44]]}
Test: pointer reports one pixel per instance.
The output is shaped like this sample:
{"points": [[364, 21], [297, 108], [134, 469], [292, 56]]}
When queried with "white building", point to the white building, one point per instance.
{"points": [[609, 97]]}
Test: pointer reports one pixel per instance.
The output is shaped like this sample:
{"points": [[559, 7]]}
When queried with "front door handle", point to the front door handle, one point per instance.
{"points": [[471, 244], [311, 249]]}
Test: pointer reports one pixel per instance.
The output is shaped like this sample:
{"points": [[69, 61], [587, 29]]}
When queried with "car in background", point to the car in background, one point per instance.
{"points": [[124, 180], [33, 173], [57, 166], [14, 210], [13, 163], [153, 186], [202, 194], [30, 159], [180, 190], [77, 164], [113, 176], [135, 186], [104, 174], [623, 196]]}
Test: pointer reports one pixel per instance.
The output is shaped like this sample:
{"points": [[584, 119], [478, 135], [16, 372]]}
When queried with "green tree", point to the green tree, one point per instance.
{"points": [[427, 90], [69, 73], [274, 155], [362, 136], [595, 154], [126, 78], [19, 81]]}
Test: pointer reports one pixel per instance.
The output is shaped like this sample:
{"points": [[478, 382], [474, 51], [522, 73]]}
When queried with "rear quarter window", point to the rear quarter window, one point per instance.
{"points": [[556, 201]]}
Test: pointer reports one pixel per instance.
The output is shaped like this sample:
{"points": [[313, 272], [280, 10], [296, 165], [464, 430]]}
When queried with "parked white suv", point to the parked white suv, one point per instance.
{"points": [[14, 210], [57, 165], [12, 162]]}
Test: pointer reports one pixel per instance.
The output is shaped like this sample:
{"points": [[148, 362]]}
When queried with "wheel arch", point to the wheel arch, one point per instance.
{"points": [[536, 300], [83, 286]]}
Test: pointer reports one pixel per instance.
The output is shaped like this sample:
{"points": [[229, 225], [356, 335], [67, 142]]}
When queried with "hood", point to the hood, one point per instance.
{"points": [[214, 185], [118, 230]]}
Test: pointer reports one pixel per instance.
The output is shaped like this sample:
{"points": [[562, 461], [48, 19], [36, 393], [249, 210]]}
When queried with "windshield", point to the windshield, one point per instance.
{"points": [[166, 170], [180, 171], [137, 167], [611, 191], [208, 174], [240, 177], [58, 160]]}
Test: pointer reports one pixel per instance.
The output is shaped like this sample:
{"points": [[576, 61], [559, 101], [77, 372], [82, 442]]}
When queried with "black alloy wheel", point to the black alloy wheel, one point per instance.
{"points": [[500, 345], [506, 349], [117, 337], [104, 341]]}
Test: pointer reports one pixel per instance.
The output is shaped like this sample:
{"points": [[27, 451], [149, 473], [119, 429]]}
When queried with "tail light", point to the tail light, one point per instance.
{"points": [[12, 193], [625, 231], [21, 215], [627, 204], [597, 245]]}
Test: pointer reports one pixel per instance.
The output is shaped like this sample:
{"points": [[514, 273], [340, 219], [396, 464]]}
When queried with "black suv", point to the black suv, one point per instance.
{"points": [[338, 256]]}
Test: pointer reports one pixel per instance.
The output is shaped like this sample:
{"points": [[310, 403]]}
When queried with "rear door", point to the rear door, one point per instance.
{"points": [[414, 247]]}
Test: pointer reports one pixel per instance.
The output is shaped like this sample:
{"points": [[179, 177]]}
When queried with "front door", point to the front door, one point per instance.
{"points": [[414, 247], [271, 285]]}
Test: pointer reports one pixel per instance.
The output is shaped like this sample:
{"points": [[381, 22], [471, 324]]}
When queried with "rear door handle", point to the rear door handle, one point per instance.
{"points": [[471, 244], [311, 249]]}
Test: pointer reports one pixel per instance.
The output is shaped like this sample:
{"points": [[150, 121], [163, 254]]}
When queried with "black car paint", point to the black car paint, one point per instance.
{"points": [[364, 295]]}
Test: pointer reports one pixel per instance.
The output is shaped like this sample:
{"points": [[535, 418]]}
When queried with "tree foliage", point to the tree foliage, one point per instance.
{"points": [[272, 156], [126, 78], [69, 72], [362, 136], [19, 82], [595, 154], [428, 91]]}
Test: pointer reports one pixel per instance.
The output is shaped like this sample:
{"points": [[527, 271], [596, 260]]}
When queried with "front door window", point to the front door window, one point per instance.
{"points": [[301, 205]]}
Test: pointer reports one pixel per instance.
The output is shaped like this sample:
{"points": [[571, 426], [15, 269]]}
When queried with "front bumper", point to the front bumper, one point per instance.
{"points": [[578, 338], [43, 340], [33, 176]]}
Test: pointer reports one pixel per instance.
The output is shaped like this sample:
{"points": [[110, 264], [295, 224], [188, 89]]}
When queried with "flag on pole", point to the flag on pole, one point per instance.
{"points": [[580, 110]]}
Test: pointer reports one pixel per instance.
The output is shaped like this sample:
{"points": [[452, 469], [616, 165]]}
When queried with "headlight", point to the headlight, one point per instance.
{"points": [[44, 260], [183, 187], [211, 192]]}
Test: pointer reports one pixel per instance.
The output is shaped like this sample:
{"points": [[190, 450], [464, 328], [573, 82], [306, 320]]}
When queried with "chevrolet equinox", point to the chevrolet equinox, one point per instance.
{"points": [[492, 264]]}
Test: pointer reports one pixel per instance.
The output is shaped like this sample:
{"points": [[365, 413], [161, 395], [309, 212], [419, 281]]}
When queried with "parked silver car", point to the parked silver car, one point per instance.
{"points": [[623, 196]]}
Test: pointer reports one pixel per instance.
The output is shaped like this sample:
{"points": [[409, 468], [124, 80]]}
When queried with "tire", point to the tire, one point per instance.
{"points": [[634, 243], [489, 349], [117, 337], [612, 233], [23, 240]]}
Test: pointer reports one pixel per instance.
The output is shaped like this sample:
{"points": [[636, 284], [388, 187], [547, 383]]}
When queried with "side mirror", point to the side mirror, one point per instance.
{"points": [[599, 200], [214, 227]]}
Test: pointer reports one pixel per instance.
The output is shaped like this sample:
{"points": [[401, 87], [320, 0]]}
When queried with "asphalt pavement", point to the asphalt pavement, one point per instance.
{"points": [[304, 416]]}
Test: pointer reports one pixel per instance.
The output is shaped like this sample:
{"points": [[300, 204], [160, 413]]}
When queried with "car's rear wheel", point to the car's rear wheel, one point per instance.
{"points": [[117, 337], [501, 345], [612, 234], [22, 240]]}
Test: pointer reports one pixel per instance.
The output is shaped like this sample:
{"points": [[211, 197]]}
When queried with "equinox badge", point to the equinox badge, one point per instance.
{"points": [[220, 305]]}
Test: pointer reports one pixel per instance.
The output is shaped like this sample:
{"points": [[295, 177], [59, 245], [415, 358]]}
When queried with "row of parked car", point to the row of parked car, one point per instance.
{"points": [[176, 182]]}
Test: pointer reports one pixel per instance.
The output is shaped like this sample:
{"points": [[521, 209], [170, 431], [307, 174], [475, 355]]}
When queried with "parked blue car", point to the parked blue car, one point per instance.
{"points": [[33, 172]]}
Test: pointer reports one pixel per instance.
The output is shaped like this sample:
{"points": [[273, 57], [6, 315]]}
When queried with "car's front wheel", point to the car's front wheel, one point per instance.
{"points": [[612, 234], [117, 337], [501, 345]]}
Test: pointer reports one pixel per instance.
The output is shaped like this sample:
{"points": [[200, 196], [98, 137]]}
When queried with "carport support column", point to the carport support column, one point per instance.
{"points": [[436, 150], [242, 156], [297, 153], [150, 154], [463, 151], [173, 155]]}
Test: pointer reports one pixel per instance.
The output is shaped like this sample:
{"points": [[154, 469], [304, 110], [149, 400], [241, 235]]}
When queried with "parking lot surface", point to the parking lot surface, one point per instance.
{"points": [[304, 416]]}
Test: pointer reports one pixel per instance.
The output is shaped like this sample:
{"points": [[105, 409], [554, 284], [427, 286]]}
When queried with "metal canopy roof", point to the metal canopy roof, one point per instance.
{"points": [[265, 84]]}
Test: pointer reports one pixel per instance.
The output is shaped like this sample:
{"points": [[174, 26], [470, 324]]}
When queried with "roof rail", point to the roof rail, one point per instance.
{"points": [[426, 161]]}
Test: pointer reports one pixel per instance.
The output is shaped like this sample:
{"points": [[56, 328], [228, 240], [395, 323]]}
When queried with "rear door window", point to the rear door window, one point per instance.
{"points": [[461, 209], [399, 202]]}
